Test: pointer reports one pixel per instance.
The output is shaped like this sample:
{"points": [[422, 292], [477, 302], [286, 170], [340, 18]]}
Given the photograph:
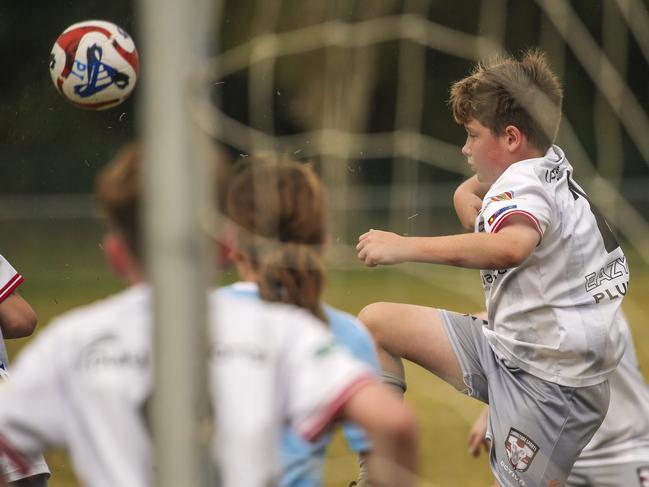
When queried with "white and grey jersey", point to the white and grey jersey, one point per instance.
{"points": [[85, 381], [555, 315], [623, 437], [10, 279], [293, 374]]}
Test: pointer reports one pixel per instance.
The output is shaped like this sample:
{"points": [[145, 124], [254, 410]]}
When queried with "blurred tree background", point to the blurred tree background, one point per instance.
{"points": [[46, 144], [49, 146]]}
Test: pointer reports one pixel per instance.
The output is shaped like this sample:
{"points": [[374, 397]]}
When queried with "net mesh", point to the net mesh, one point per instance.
{"points": [[361, 89], [311, 93]]}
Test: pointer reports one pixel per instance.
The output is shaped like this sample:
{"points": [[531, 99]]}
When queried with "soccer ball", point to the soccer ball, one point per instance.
{"points": [[94, 64]]}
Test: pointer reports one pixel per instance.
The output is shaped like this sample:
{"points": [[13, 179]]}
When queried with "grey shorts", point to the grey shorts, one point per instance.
{"points": [[39, 480], [537, 428], [632, 474]]}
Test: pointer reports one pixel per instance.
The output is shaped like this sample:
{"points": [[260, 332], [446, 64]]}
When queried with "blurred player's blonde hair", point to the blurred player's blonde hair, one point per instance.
{"points": [[117, 189], [278, 207], [507, 91]]}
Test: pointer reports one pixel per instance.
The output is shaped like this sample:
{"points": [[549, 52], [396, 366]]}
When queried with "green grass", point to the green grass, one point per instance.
{"points": [[63, 266]]}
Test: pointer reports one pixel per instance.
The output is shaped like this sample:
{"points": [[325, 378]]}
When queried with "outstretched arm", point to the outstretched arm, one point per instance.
{"points": [[17, 318], [505, 249], [467, 201]]}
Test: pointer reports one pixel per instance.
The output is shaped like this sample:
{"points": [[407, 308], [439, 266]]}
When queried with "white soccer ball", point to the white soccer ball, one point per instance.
{"points": [[94, 64]]}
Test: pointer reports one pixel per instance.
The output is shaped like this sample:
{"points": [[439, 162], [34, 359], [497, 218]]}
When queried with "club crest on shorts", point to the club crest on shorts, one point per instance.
{"points": [[643, 476], [520, 450]]}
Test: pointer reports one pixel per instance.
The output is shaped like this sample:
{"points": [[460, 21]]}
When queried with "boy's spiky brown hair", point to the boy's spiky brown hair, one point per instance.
{"points": [[508, 91]]}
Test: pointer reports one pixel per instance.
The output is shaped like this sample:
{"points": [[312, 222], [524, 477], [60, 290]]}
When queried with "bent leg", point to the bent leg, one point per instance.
{"points": [[538, 428], [415, 333]]}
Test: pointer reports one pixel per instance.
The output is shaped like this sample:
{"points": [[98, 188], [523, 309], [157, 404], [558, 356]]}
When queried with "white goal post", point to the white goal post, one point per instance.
{"points": [[175, 187]]}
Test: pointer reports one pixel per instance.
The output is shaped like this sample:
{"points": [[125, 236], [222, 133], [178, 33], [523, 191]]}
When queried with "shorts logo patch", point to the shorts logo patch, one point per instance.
{"points": [[520, 450], [643, 476]]}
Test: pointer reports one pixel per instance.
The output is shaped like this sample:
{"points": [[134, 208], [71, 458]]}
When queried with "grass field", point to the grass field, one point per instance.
{"points": [[63, 266]]}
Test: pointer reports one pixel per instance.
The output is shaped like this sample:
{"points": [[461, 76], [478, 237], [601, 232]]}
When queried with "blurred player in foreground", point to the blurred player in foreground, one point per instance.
{"points": [[85, 381], [17, 320], [618, 453], [552, 272], [292, 273]]}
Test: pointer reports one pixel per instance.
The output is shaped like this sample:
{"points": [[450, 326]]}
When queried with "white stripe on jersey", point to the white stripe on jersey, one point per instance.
{"points": [[499, 223], [10, 279], [555, 315]]}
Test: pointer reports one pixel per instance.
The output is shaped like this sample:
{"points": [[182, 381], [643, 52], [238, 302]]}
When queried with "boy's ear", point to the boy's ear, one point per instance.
{"points": [[225, 253], [513, 138], [117, 253], [228, 245]]}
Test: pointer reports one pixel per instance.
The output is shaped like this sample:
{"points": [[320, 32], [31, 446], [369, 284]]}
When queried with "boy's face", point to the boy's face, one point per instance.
{"points": [[485, 152]]}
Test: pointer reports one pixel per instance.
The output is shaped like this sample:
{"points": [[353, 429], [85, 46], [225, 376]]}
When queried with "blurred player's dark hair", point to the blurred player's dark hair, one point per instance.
{"points": [[278, 208], [117, 189]]}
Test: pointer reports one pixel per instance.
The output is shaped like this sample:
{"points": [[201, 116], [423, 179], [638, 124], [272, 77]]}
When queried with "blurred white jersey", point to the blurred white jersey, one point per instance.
{"points": [[85, 381], [275, 365], [10, 279], [556, 315], [623, 437]]}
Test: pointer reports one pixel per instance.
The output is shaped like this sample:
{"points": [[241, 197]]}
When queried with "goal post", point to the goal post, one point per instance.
{"points": [[175, 192]]}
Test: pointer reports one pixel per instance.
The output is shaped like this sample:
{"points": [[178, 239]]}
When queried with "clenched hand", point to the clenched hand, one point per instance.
{"points": [[377, 247]]}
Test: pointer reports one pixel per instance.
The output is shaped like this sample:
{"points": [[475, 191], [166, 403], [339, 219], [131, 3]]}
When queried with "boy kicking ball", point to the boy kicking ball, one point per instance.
{"points": [[618, 453], [553, 275]]}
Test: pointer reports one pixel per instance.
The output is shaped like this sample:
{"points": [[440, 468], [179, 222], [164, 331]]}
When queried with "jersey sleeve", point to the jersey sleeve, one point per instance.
{"points": [[321, 377], [33, 404], [10, 279], [520, 194]]}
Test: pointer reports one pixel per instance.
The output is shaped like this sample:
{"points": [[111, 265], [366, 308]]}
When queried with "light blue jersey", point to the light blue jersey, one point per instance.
{"points": [[303, 461]]}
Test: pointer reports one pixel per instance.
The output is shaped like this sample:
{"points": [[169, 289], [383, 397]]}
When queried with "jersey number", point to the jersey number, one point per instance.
{"points": [[610, 242]]}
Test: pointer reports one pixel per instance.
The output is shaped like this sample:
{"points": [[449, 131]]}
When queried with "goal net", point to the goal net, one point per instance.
{"points": [[360, 90]]}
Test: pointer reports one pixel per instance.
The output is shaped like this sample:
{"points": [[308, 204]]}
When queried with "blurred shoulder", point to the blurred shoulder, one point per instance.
{"points": [[343, 323], [241, 311], [351, 334], [116, 323], [127, 312]]}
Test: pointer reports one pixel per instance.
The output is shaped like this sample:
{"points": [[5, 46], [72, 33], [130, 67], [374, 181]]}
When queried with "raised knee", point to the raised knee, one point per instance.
{"points": [[370, 317]]}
